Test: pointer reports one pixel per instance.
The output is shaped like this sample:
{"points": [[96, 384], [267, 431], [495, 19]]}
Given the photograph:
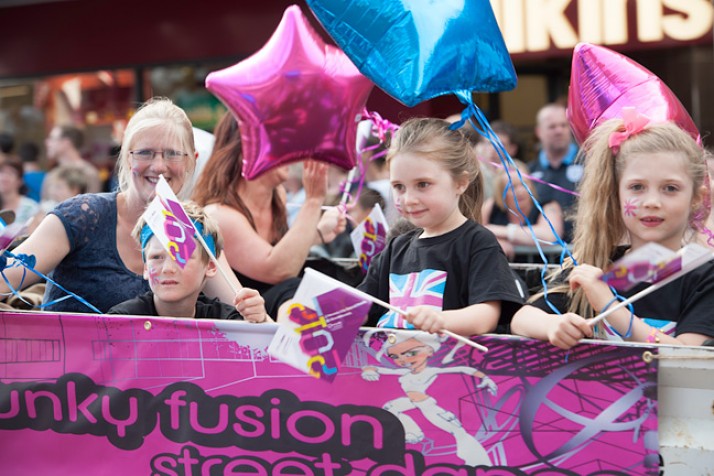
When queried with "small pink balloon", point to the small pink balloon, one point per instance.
{"points": [[295, 98], [602, 82]]}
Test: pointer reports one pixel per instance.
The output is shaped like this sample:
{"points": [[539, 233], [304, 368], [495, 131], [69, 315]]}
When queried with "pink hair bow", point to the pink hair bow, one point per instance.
{"points": [[634, 124]]}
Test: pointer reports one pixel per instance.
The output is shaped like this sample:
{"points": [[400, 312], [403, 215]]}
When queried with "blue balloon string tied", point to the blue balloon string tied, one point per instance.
{"points": [[28, 262], [476, 118], [619, 297]]}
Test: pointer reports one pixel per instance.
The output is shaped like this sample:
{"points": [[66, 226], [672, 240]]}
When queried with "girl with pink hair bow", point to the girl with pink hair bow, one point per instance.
{"points": [[643, 182]]}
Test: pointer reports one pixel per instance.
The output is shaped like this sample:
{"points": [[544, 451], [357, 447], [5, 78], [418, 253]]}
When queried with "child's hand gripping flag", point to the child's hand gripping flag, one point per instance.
{"points": [[170, 224], [323, 323]]}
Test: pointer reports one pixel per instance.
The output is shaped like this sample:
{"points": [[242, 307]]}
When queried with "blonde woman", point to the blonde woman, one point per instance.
{"points": [[85, 243]]}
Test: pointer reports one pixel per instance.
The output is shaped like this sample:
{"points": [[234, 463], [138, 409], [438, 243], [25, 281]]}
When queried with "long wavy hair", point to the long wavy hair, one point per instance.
{"points": [[223, 172], [433, 139], [599, 227]]}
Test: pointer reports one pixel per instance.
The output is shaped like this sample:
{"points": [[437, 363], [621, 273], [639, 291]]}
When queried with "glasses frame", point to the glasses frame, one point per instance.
{"points": [[178, 157]]}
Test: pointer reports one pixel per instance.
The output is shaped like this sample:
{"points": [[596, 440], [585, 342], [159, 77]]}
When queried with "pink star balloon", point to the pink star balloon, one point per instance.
{"points": [[602, 82], [296, 98]]}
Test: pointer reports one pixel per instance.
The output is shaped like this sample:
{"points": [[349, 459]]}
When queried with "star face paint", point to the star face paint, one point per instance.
{"points": [[153, 274], [630, 207], [170, 282]]}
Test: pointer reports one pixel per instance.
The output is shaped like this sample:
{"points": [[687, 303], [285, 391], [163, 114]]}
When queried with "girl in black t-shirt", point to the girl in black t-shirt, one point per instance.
{"points": [[449, 273], [643, 182]]}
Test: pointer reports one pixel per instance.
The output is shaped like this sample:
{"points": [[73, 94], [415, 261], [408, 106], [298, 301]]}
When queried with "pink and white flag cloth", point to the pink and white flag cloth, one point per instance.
{"points": [[652, 263], [370, 237], [324, 319], [170, 224]]}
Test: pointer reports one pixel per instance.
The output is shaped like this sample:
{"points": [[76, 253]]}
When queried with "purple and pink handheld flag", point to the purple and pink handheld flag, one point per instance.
{"points": [[170, 224], [370, 237], [653, 263], [323, 322]]}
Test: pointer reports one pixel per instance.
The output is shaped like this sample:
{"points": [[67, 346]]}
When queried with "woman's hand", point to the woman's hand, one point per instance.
{"points": [[332, 223], [314, 180], [566, 330], [251, 305]]}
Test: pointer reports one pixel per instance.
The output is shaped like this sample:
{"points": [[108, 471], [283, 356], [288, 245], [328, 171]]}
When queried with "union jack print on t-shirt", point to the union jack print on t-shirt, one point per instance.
{"points": [[425, 288]]}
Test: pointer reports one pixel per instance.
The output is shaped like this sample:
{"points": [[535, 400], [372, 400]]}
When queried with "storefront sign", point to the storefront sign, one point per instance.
{"points": [[536, 27]]}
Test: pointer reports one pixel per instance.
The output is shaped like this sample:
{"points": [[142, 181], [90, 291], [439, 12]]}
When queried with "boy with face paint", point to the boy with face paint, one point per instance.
{"points": [[175, 290]]}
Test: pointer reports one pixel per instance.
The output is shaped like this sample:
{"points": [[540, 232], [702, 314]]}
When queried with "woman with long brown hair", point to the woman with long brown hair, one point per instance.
{"points": [[264, 253]]}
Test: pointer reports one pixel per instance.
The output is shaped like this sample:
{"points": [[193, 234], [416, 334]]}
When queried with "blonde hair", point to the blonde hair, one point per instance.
{"points": [[599, 227], [433, 139], [197, 214], [157, 114], [501, 180]]}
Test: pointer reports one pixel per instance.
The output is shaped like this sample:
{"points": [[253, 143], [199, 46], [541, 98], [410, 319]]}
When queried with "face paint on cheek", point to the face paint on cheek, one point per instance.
{"points": [[630, 207], [398, 206], [153, 275]]}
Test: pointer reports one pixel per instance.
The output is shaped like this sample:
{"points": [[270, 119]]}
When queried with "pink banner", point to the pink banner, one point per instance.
{"points": [[115, 395]]}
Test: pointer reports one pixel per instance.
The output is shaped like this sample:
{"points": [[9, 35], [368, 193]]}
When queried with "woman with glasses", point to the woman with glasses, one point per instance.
{"points": [[264, 253], [85, 243]]}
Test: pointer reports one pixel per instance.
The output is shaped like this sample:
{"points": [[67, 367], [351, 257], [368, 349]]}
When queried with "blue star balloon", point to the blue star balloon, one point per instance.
{"points": [[415, 50]]}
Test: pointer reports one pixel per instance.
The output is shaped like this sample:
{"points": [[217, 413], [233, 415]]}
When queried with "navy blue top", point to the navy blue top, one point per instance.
{"points": [[499, 216], [93, 268]]}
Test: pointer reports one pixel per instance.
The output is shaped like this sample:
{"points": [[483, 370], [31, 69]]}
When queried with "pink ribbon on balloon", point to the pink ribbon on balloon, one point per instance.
{"points": [[534, 179], [382, 127], [634, 123]]}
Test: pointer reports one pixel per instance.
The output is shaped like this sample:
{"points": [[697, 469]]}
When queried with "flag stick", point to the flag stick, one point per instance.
{"points": [[215, 260], [397, 310], [348, 186]]}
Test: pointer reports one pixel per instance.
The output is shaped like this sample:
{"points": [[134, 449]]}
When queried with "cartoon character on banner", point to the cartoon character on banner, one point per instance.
{"points": [[295, 98], [603, 83], [411, 355]]}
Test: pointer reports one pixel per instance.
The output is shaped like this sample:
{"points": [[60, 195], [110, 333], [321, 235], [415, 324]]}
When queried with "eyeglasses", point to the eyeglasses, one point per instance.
{"points": [[147, 155]]}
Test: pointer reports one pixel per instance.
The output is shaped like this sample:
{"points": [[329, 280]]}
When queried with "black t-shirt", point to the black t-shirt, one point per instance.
{"points": [[457, 269], [686, 305], [499, 216], [206, 308]]}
